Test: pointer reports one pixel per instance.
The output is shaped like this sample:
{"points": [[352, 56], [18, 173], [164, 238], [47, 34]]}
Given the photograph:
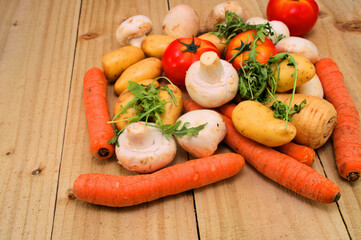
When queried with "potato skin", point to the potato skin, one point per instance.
{"points": [[256, 121], [147, 68], [123, 100], [154, 45], [172, 111], [220, 43], [115, 62], [305, 72]]}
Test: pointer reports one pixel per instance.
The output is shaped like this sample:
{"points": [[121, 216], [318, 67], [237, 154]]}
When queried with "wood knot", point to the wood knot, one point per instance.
{"points": [[36, 171], [89, 36], [350, 26], [322, 14]]}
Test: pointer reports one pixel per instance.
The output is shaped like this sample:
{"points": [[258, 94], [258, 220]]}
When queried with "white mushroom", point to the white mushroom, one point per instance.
{"points": [[182, 21], [133, 30], [311, 88], [298, 45], [278, 27], [208, 139], [211, 82], [144, 148], [217, 15], [256, 20]]}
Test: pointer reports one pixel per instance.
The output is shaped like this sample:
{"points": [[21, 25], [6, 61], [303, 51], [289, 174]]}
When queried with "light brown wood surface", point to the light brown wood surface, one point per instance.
{"points": [[45, 49]]}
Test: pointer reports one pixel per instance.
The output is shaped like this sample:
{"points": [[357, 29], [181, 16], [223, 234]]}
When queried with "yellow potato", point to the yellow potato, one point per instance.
{"points": [[305, 72], [115, 62], [220, 43], [123, 100], [147, 68], [172, 111], [256, 121], [154, 45]]}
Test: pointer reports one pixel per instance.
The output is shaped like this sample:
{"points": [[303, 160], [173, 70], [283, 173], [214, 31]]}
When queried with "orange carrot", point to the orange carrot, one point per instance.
{"points": [[279, 167], [346, 135], [97, 113], [122, 191], [303, 154]]}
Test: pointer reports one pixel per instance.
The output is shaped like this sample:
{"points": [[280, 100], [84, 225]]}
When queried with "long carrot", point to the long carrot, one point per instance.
{"points": [[303, 154], [97, 113], [346, 135], [279, 167], [122, 191]]}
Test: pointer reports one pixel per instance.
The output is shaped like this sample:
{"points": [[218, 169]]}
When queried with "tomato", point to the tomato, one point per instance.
{"points": [[300, 16], [264, 49], [180, 54]]}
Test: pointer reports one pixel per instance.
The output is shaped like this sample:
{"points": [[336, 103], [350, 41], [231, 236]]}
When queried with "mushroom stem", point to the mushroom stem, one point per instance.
{"points": [[211, 68], [139, 136]]}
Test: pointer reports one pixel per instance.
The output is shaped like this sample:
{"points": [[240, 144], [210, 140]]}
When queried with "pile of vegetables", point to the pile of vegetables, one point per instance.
{"points": [[252, 84]]}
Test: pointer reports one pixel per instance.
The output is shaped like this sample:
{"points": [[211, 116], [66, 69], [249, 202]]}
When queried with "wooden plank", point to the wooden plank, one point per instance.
{"points": [[168, 218], [36, 56]]}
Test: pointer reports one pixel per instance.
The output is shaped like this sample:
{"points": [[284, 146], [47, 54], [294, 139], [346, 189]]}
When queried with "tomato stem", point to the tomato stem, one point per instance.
{"points": [[192, 47]]}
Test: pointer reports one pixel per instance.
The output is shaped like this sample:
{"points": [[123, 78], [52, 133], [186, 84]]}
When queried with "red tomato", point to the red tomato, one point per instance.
{"points": [[180, 54], [300, 16], [264, 49]]}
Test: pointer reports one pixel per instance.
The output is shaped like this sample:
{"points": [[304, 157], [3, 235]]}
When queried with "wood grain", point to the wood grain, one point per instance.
{"points": [[45, 49]]}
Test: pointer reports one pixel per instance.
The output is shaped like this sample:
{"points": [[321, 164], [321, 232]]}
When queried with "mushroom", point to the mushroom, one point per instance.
{"points": [[182, 21], [211, 81], [311, 88], [278, 27], [217, 15], [207, 140], [144, 149], [133, 30], [298, 45]]}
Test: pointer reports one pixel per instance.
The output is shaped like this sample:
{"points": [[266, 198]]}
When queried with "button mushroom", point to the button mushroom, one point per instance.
{"points": [[144, 149], [207, 140], [278, 27], [211, 82], [217, 15], [133, 30], [182, 21]]}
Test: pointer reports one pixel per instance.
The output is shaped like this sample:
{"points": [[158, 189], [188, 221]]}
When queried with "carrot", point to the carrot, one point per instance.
{"points": [[346, 135], [303, 154], [279, 167], [122, 191], [97, 113]]}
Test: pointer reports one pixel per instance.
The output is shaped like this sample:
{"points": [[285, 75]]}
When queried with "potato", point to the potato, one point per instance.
{"points": [[115, 62], [305, 72], [147, 68], [220, 43], [154, 45], [172, 111], [256, 121], [123, 100]]}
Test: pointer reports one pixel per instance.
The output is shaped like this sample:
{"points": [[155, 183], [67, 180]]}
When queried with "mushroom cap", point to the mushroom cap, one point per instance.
{"points": [[133, 30], [207, 140], [211, 89], [298, 45], [256, 20], [217, 15], [278, 28], [182, 21], [146, 155]]}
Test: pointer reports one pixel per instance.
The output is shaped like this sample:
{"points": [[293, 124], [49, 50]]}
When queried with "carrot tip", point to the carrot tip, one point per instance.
{"points": [[337, 197], [103, 152], [353, 176]]}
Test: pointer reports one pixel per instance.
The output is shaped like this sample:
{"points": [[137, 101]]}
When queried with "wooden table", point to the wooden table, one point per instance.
{"points": [[45, 49]]}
